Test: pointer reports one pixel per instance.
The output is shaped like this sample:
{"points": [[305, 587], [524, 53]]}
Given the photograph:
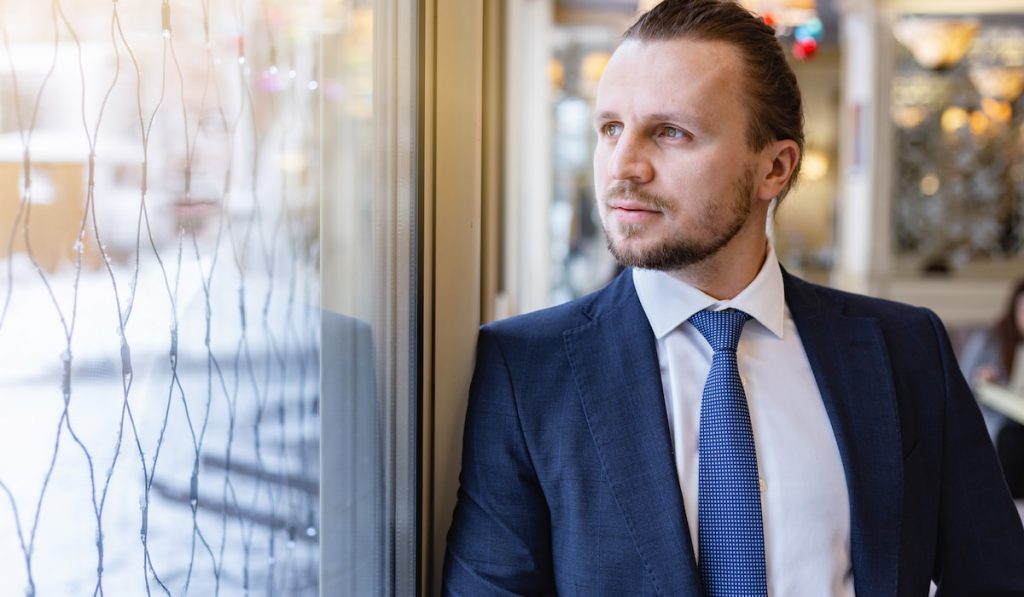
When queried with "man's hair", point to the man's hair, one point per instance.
{"points": [[776, 110]]}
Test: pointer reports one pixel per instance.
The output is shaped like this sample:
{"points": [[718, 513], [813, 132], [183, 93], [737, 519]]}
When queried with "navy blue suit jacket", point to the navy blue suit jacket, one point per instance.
{"points": [[569, 485]]}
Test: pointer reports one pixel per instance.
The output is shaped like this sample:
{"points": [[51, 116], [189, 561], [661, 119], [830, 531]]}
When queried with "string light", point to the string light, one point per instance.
{"points": [[154, 260]]}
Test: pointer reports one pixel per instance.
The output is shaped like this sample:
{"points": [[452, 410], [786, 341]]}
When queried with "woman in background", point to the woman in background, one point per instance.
{"points": [[989, 358]]}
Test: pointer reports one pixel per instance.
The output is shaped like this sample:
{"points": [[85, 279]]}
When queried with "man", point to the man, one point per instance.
{"points": [[708, 424]]}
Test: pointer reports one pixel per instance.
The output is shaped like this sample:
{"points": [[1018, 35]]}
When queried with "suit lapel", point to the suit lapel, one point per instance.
{"points": [[851, 366], [615, 363]]}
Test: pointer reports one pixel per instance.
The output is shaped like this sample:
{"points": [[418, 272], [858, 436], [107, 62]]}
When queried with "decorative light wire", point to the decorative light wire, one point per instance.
{"points": [[293, 346]]}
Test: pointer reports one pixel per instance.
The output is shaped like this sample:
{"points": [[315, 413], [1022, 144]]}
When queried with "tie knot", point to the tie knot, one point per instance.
{"points": [[720, 328]]}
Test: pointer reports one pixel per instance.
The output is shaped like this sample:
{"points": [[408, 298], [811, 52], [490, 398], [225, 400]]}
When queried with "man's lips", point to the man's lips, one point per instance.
{"points": [[630, 211], [631, 205]]}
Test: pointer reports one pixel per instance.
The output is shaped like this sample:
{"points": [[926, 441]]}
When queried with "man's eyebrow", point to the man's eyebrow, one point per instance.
{"points": [[675, 117], [680, 117]]}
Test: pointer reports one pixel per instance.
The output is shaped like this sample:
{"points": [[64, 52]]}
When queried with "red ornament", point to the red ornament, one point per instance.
{"points": [[769, 20], [805, 48]]}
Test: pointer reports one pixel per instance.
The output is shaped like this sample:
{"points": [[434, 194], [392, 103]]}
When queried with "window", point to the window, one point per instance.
{"points": [[159, 330]]}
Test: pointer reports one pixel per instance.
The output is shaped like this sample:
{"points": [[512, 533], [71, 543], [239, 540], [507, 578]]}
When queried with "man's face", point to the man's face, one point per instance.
{"points": [[674, 175]]}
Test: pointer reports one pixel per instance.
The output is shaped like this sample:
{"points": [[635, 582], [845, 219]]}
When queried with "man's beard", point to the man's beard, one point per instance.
{"points": [[723, 221]]}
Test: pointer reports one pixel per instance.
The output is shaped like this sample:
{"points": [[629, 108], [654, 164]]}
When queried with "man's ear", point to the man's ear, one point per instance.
{"points": [[779, 165]]}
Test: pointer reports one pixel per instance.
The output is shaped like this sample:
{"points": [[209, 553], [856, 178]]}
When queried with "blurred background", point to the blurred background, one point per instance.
{"points": [[202, 202], [910, 187]]}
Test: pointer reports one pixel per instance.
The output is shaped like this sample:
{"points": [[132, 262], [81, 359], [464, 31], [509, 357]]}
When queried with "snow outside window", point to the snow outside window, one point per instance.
{"points": [[159, 297]]}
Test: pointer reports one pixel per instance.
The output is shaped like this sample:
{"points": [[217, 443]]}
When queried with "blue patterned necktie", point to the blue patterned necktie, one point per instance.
{"points": [[729, 532]]}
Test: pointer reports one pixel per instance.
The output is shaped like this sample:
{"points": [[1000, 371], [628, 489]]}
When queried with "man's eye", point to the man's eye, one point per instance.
{"points": [[611, 129], [672, 132]]}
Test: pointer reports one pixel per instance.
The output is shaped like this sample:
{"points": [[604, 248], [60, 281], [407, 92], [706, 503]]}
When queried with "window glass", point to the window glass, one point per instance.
{"points": [[370, 381], [159, 330]]}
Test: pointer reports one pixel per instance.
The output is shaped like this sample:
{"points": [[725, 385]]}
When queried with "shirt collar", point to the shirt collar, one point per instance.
{"points": [[668, 302]]}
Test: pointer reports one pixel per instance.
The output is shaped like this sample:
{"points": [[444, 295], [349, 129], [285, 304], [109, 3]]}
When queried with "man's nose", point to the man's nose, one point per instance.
{"points": [[629, 160]]}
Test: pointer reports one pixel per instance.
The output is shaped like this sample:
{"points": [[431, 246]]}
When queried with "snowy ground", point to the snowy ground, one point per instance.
{"points": [[258, 413]]}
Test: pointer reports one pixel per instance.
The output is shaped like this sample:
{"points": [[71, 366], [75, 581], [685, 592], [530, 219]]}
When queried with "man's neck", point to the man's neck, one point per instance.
{"points": [[726, 273]]}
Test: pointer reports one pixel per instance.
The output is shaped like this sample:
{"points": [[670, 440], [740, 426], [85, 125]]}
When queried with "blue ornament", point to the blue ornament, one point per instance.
{"points": [[814, 27]]}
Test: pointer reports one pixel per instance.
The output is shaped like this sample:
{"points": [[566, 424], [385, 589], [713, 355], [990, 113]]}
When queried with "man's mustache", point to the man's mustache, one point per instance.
{"points": [[624, 191]]}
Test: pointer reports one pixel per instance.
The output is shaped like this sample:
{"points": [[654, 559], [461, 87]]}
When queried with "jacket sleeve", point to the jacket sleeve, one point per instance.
{"points": [[981, 541], [499, 542]]}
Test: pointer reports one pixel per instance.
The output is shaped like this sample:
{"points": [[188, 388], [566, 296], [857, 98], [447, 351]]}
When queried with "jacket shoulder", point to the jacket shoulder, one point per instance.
{"points": [[552, 322], [852, 304]]}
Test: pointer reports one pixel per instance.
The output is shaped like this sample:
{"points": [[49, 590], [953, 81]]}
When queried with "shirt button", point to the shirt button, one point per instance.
{"points": [[761, 484]]}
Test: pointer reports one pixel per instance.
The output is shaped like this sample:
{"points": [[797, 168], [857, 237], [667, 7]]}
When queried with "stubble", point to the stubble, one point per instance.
{"points": [[722, 221]]}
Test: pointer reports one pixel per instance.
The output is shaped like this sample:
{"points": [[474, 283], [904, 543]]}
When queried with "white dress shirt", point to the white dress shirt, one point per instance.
{"points": [[805, 507]]}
